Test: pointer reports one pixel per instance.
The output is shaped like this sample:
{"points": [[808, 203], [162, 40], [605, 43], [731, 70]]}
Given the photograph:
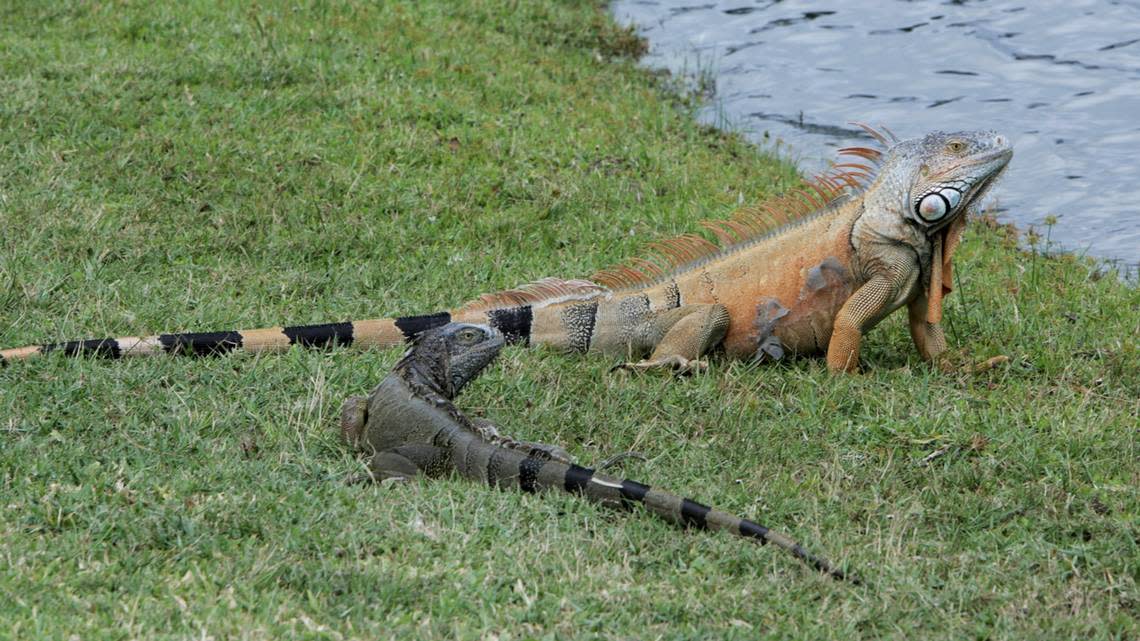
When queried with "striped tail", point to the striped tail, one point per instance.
{"points": [[511, 312], [508, 469], [383, 332]]}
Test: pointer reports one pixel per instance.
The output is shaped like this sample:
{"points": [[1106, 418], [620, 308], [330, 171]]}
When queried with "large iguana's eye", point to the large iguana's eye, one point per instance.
{"points": [[955, 146]]}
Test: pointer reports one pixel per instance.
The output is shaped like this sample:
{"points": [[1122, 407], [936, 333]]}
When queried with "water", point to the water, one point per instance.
{"points": [[1061, 79]]}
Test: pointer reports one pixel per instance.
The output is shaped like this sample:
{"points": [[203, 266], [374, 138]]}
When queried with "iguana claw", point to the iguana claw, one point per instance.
{"points": [[946, 366], [988, 364], [676, 364], [369, 477]]}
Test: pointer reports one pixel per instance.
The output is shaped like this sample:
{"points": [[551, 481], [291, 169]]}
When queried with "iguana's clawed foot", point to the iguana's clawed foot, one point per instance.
{"points": [[673, 362], [976, 368], [544, 451], [489, 432], [370, 477], [353, 417], [989, 364]]}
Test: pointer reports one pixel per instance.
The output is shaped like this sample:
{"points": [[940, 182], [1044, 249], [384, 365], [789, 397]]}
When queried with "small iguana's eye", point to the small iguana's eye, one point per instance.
{"points": [[955, 146], [469, 336]]}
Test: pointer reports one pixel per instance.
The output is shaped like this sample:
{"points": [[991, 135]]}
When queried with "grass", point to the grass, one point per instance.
{"points": [[203, 166]]}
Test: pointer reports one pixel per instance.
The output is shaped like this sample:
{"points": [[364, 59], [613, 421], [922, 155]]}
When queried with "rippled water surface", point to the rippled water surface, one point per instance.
{"points": [[1061, 79]]}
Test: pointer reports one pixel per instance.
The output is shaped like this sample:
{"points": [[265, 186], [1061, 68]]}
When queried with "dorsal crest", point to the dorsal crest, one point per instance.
{"points": [[754, 222]]}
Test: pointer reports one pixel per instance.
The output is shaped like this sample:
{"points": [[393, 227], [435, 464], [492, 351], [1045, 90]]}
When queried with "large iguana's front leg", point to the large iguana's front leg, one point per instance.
{"points": [[931, 341], [869, 304], [679, 337], [928, 337]]}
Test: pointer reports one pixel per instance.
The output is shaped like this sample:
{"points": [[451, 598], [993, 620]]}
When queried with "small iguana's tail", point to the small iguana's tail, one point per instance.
{"points": [[511, 469], [510, 312]]}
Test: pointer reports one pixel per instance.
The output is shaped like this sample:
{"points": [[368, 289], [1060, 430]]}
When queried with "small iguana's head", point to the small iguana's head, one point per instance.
{"points": [[451, 356], [940, 175]]}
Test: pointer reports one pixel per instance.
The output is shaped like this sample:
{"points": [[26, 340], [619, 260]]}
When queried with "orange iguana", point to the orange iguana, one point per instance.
{"points": [[806, 273]]}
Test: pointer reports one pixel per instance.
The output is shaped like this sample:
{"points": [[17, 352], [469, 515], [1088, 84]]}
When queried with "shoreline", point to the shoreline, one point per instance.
{"points": [[702, 45]]}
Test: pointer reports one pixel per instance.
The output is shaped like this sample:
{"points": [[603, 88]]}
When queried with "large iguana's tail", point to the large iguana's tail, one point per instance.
{"points": [[508, 468], [382, 332], [511, 312]]}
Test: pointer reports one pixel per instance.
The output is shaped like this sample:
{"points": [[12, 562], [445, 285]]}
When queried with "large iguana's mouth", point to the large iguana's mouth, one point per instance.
{"points": [[944, 238], [992, 165], [996, 162]]}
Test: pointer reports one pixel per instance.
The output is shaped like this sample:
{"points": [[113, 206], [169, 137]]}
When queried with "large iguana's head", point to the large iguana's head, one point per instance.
{"points": [[933, 180], [451, 356], [925, 187]]}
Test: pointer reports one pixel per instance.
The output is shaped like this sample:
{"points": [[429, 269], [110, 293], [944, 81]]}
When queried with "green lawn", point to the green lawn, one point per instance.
{"points": [[190, 167]]}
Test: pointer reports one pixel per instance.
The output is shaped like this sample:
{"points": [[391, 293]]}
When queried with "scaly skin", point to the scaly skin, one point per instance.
{"points": [[785, 277], [411, 427]]}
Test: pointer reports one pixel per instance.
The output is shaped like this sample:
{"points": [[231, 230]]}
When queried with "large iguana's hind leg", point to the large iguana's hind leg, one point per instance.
{"points": [[680, 337]]}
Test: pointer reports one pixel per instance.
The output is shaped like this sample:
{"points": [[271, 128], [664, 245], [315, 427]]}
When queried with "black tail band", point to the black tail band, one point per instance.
{"points": [[325, 335], [754, 531], [529, 469], [201, 343], [412, 325], [633, 492], [577, 478], [694, 514], [105, 347]]}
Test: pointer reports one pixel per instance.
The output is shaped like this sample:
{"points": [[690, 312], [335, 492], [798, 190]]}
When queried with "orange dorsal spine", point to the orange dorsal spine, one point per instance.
{"points": [[752, 223]]}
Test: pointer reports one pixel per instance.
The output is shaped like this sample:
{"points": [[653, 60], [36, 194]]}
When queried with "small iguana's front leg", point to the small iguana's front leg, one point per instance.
{"points": [[387, 466], [679, 337]]}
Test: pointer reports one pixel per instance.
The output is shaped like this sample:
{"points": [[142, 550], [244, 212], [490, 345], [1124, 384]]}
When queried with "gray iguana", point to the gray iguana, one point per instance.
{"points": [[807, 273], [411, 427]]}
